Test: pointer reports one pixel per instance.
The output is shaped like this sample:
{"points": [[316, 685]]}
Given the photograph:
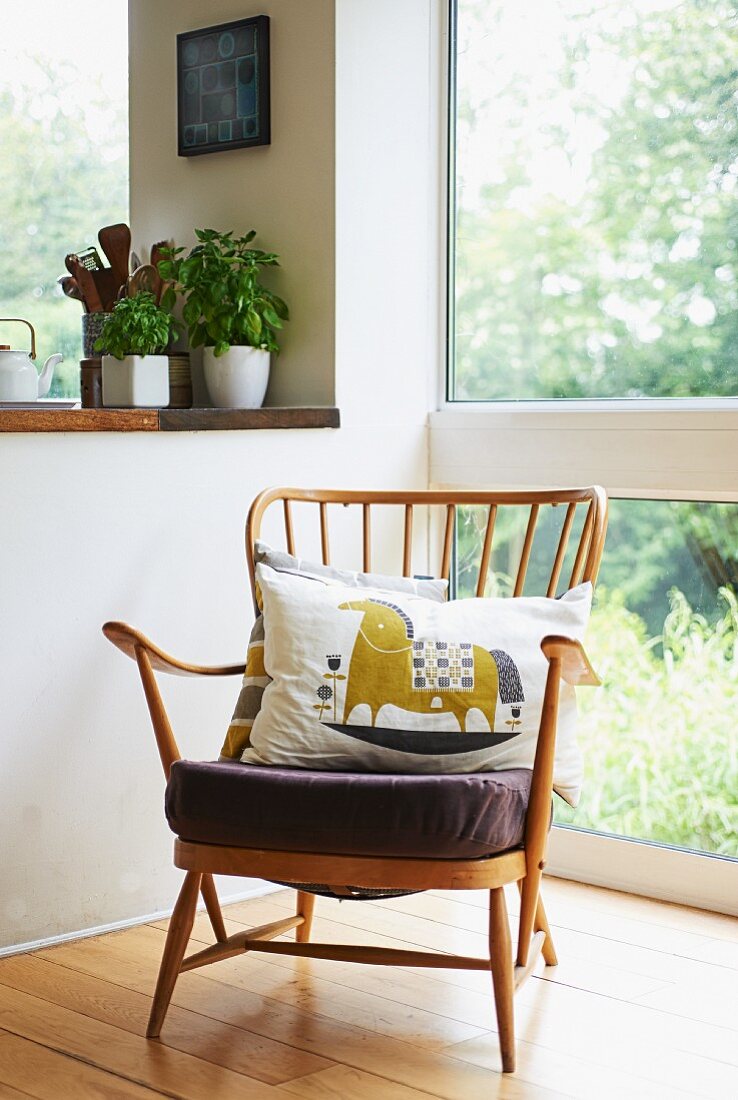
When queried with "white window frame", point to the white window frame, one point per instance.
{"points": [[660, 449]]}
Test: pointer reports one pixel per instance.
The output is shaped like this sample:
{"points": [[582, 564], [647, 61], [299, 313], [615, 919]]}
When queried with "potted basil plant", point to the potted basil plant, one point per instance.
{"points": [[229, 312], [135, 370]]}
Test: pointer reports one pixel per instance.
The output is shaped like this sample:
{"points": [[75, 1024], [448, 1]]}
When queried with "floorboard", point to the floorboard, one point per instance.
{"points": [[642, 1004], [46, 1074]]}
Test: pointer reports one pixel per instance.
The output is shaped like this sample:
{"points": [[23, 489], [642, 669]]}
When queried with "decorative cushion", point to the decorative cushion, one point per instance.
{"points": [[399, 683], [256, 678], [423, 816]]}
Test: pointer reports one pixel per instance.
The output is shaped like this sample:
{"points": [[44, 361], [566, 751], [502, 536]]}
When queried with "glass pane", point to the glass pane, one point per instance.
{"points": [[64, 166], [597, 199], [659, 738]]}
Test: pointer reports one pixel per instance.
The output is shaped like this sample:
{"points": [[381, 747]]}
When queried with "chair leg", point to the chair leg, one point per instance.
{"points": [[305, 908], [529, 892], [540, 924], [180, 927], [212, 904], [501, 964]]}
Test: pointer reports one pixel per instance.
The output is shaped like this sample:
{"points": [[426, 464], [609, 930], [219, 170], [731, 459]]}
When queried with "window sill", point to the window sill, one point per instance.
{"points": [[665, 453], [49, 419]]}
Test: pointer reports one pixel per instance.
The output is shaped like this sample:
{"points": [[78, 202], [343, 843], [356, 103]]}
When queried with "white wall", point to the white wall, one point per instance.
{"points": [[389, 179], [150, 528], [284, 190]]}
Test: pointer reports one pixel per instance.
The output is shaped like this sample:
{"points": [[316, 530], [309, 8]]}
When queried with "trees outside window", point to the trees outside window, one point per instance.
{"points": [[64, 168], [597, 199]]}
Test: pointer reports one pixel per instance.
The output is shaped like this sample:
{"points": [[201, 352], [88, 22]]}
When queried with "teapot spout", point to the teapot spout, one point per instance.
{"points": [[46, 375]]}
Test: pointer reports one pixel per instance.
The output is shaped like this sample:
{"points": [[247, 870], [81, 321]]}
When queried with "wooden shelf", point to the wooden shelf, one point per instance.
{"points": [[220, 420], [50, 419]]}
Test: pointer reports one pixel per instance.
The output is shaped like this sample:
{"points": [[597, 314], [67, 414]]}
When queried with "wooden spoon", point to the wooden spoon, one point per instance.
{"points": [[86, 284], [68, 283], [157, 252], [145, 277], [107, 286], [115, 241]]}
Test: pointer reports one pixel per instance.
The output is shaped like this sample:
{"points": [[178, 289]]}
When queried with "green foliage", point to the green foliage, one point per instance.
{"points": [[137, 326], [225, 301], [652, 546], [621, 281], [659, 738]]}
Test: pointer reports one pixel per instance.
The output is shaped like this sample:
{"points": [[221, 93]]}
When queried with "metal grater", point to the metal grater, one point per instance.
{"points": [[90, 259]]}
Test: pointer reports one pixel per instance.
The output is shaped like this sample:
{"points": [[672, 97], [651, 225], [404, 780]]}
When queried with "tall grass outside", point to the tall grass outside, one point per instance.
{"points": [[659, 737]]}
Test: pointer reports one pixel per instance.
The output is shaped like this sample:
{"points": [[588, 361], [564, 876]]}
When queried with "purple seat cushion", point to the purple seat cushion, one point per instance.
{"points": [[348, 813]]}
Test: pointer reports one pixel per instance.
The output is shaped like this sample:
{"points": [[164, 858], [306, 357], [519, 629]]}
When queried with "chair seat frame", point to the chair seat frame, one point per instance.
{"points": [[567, 661]]}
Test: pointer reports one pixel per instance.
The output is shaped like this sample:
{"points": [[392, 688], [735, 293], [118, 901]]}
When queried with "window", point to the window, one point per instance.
{"points": [[660, 743], [596, 199], [593, 279], [64, 168]]}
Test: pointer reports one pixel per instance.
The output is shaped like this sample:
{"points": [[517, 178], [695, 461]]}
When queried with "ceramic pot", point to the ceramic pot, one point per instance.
{"points": [[90, 388], [180, 382], [92, 326], [135, 382], [238, 379]]}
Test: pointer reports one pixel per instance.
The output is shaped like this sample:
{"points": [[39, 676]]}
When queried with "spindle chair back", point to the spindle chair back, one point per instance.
{"points": [[586, 551]]}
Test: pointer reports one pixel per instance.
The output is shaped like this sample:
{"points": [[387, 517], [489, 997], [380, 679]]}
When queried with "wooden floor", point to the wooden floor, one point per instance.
{"points": [[644, 1003]]}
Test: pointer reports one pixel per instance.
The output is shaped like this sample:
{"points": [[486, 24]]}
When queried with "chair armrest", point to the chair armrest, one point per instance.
{"points": [[128, 640], [575, 665], [566, 661]]}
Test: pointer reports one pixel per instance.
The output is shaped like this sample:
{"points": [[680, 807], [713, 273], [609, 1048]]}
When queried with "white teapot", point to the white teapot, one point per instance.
{"points": [[19, 380]]}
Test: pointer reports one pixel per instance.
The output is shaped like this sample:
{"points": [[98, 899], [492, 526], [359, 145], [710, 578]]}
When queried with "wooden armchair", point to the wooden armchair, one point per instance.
{"points": [[522, 865]]}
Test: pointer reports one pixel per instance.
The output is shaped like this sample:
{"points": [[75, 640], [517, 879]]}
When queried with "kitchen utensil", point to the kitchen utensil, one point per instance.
{"points": [[69, 287], [90, 259], [107, 286], [144, 277], [115, 241], [157, 252], [133, 262], [87, 286], [19, 380]]}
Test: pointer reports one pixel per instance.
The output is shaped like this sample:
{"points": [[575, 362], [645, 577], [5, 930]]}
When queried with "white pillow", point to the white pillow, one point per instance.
{"points": [[255, 678], [382, 682]]}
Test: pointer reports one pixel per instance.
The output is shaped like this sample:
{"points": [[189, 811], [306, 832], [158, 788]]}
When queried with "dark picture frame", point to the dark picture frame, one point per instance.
{"points": [[223, 93]]}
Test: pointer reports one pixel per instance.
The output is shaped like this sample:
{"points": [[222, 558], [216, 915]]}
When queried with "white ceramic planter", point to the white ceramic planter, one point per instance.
{"points": [[136, 382], [238, 379]]}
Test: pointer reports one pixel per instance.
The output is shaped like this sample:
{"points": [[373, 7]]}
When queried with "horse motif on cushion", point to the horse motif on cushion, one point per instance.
{"points": [[390, 666]]}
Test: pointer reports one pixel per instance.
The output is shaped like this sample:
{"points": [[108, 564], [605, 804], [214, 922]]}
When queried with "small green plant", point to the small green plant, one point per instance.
{"points": [[137, 326], [659, 738], [225, 301]]}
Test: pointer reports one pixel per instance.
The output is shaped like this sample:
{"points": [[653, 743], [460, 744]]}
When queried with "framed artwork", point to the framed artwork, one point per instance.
{"points": [[223, 87]]}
